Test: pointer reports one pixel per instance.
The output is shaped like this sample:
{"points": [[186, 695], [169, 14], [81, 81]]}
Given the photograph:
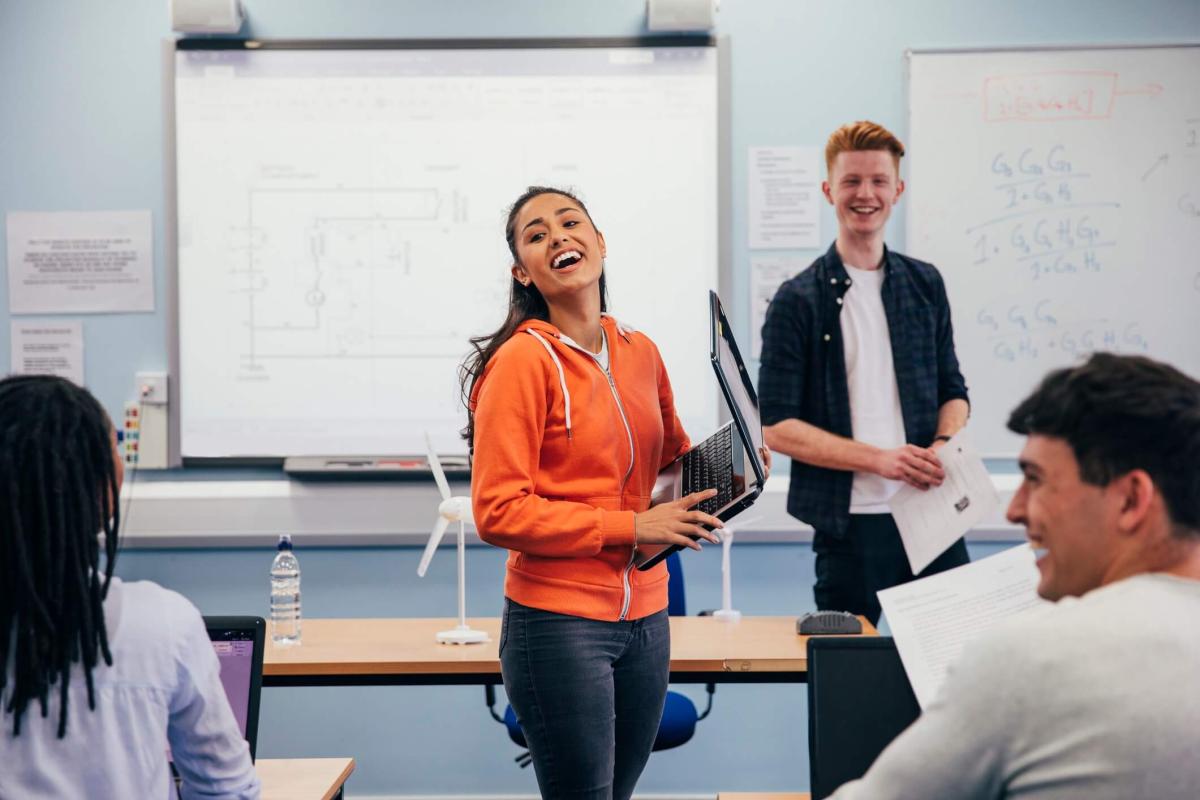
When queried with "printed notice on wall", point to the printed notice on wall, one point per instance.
{"points": [[785, 198], [766, 273], [71, 262], [48, 347]]}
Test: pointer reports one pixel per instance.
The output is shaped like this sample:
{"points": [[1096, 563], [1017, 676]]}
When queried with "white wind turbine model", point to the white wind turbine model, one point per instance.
{"points": [[726, 611], [451, 509]]}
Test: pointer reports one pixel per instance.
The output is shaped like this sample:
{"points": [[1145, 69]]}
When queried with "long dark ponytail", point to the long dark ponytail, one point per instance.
{"points": [[524, 302], [58, 491]]}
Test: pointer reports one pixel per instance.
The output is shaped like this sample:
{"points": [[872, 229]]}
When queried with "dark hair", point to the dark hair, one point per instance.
{"points": [[58, 491], [524, 302], [1121, 413]]}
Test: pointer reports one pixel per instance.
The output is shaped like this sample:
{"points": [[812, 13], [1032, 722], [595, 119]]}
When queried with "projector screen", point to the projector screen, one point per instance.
{"points": [[340, 214]]}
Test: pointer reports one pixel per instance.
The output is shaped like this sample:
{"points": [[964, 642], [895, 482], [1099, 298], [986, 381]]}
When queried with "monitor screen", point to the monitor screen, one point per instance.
{"points": [[859, 699]]}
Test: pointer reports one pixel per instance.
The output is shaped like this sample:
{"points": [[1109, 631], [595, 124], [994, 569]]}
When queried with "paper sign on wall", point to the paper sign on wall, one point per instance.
{"points": [[71, 262], [766, 273], [785, 198], [48, 347]]}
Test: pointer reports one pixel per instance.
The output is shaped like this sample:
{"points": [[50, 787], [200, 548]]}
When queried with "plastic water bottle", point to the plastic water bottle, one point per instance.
{"points": [[285, 594]]}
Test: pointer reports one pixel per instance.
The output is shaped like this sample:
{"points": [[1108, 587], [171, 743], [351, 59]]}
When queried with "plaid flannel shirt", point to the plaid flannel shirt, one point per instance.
{"points": [[803, 367]]}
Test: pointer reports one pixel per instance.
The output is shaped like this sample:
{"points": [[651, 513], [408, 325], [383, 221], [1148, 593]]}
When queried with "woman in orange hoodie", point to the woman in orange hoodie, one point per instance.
{"points": [[571, 419]]}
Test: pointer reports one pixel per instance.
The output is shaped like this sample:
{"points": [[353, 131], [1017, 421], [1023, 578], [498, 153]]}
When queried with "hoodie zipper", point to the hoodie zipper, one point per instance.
{"points": [[612, 387], [629, 471]]}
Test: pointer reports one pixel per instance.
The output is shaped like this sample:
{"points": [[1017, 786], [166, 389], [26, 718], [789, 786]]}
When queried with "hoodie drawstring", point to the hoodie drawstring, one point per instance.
{"points": [[562, 378]]}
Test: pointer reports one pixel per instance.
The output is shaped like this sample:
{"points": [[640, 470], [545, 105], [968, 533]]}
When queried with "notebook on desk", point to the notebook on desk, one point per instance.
{"points": [[729, 460]]}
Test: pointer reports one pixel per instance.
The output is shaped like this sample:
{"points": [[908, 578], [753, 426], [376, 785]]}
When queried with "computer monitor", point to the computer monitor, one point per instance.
{"points": [[859, 699], [239, 642]]}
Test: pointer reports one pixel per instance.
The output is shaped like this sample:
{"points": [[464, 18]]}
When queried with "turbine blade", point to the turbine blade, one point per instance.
{"points": [[431, 547], [436, 466]]}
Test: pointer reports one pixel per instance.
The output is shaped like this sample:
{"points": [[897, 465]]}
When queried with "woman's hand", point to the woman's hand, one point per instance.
{"points": [[676, 523], [764, 454]]}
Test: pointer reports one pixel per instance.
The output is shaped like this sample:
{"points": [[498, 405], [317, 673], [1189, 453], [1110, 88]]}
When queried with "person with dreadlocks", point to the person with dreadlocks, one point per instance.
{"points": [[99, 676]]}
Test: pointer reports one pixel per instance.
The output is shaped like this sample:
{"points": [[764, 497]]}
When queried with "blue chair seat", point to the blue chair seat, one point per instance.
{"points": [[677, 726], [678, 722]]}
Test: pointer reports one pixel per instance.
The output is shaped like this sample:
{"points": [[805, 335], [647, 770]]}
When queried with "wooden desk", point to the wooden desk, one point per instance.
{"points": [[303, 778], [375, 652]]}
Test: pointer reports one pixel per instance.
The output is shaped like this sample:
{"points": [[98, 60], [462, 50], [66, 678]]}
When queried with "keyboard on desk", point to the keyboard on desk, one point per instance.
{"points": [[709, 465]]}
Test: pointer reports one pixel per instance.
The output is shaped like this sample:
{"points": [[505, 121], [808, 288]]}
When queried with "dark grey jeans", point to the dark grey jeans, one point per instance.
{"points": [[870, 557], [588, 695]]}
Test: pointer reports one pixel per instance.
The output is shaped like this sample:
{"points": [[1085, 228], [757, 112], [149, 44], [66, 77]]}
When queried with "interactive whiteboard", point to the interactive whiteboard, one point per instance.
{"points": [[340, 224], [1058, 191]]}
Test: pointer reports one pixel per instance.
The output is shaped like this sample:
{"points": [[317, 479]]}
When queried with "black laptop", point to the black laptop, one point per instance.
{"points": [[730, 460], [239, 643]]}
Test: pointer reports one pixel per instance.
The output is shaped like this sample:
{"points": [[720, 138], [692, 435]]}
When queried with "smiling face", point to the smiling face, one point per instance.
{"points": [[558, 248], [863, 186], [1070, 523]]}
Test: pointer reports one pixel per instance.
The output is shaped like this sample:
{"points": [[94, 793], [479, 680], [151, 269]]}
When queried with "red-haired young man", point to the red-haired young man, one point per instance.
{"points": [[859, 382]]}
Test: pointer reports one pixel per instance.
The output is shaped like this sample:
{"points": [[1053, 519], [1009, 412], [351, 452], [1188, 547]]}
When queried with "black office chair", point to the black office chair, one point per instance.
{"points": [[859, 699], [679, 714]]}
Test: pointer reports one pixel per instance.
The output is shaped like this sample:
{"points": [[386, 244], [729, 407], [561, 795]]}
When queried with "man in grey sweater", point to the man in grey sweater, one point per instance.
{"points": [[1099, 695]]}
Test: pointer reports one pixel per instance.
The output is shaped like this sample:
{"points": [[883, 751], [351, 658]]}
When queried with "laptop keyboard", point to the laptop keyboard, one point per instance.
{"points": [[710, 466]]}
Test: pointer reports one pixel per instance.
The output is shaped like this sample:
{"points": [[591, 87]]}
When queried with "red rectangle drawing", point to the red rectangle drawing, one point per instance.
{"points": [[1049, 96]]}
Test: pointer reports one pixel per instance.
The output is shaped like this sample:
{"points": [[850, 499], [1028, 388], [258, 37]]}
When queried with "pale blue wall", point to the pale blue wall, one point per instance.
{"points": [[80, 128]]}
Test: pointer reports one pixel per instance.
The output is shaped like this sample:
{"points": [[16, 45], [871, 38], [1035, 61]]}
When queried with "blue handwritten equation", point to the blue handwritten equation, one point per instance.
{"points": [[1028, 330], [1048, 226]]}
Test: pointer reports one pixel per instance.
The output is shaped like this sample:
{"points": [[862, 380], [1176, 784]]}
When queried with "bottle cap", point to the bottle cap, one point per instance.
{"points": [[285, 542]]}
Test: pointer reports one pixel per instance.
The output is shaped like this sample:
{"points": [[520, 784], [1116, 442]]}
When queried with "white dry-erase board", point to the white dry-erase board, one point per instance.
{"points": [[1058, 191], [340, 216]]}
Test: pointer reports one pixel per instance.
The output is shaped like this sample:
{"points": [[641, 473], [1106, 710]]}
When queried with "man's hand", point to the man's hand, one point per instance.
{"points": [[764, 453], [916, 466], [675, 523]]}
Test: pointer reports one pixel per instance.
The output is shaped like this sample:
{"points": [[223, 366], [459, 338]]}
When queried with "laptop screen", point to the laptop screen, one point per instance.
{"points": [[238, 643], [235, 652], [733, 373]]}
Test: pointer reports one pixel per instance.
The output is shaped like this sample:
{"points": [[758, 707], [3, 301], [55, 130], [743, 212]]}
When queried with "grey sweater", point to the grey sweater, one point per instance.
{"points": [[1096, 697]]}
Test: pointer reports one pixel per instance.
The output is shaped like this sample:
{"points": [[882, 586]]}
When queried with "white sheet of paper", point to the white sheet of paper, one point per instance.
{"points": [[785, 198], [72, 262], [931, 520], [932, 618], [48, 347], [766, 273]]}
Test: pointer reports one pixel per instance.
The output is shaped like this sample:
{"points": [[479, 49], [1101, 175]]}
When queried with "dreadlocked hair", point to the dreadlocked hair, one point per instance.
{"points": [[58, 491]]}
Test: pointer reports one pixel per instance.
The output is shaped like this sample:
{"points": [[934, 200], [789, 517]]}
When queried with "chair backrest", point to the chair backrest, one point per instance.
{"points": [[859, 699], [676, 598]]}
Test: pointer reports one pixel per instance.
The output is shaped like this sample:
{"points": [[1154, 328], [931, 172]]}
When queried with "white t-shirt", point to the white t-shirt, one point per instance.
{"points": [[164, 687], [875, 416], [601, 357]]}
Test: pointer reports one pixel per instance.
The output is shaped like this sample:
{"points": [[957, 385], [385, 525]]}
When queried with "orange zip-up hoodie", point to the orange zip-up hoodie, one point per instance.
{"points": [[565, 455]]}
